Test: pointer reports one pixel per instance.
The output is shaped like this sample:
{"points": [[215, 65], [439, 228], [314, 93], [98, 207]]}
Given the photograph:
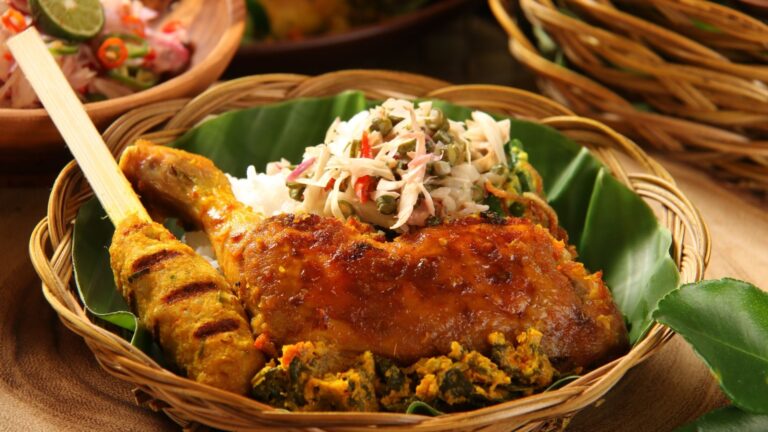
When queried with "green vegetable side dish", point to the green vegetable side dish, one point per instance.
{"points": [[611, 227], [69, 19]]}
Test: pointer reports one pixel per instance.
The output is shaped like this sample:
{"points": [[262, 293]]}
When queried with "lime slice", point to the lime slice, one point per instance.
{"points": [[68, 19]]}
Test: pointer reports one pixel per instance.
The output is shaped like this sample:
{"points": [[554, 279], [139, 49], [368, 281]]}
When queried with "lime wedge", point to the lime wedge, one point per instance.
{"points": [[68, 19]]}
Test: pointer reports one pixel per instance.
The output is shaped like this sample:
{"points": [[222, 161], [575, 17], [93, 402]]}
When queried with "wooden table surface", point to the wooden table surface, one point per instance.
{"points": [[50, 381]]}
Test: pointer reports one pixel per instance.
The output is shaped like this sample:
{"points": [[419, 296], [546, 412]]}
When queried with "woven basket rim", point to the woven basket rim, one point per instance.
{"points": [[185, 400]]}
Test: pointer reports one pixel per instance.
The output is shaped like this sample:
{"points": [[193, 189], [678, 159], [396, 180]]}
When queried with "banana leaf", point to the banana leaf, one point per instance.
{"points": [[728, 419], [726, 322], [611, 227]]}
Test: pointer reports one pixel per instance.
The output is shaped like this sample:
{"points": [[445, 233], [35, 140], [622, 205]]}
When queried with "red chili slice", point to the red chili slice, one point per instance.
{"points": [[13, 20], [113, 53]]}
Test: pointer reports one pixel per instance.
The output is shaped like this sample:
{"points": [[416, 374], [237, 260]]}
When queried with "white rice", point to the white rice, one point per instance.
{"points": [[265, 194]]}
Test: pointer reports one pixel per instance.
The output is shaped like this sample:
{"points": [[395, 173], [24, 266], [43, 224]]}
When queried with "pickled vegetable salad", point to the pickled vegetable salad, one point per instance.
{"points": [[128, 55], [399, 165]]}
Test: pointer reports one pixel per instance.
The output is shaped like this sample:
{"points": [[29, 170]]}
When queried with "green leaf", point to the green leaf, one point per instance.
{"points": [[614, 230], [257, 23], [261, 135], [726, 322], [729, 419], [95, 281], [640, 272], [93, 274], [423, 408], [561, 382]]}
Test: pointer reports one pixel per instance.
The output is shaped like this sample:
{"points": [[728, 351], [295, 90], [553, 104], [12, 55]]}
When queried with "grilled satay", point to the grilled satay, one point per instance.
{"points": [[186, 305], [312, 278]]}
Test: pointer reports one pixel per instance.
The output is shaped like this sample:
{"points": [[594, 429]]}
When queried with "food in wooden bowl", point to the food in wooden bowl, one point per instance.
{"points": [[127, 53], [611, 228], [274, 20], [309, 36]]}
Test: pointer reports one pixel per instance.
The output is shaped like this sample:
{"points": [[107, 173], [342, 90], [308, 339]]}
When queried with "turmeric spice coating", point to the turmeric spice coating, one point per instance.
{"points": [[186, 305]]}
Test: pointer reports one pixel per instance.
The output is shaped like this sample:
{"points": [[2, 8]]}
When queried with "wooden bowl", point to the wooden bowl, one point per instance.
{"points": [[324, 53], [190, 403], [29, 137]]}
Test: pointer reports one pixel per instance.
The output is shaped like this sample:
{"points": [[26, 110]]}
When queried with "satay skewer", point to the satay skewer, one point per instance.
{"points": [[107, 181], [180, 298]]}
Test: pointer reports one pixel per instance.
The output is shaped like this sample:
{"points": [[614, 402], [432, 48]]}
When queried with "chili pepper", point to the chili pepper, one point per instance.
{"points": [[362, 187], [134, 77], [171, 26], [363, 184], [365, 147], [60, 48], [134, 25], [150, 57], [14, 20], [330, 184], [136, 45], [113, 52], [8, 56]]}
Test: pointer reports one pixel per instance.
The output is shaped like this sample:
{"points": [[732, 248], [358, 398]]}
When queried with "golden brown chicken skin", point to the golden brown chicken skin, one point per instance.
{"points": [[307, 277], [186, 305]]}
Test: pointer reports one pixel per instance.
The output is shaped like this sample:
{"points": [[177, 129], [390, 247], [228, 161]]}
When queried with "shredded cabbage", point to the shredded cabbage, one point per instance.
{"points": [[399, 165]]}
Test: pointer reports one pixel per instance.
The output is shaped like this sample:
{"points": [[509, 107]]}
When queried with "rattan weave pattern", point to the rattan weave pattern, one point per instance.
{"points": [[707, 108], [190, 403]]}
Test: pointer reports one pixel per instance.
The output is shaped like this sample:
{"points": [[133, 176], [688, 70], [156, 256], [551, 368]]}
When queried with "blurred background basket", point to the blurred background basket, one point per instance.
{"points": [[684, 77], [188, 402]]}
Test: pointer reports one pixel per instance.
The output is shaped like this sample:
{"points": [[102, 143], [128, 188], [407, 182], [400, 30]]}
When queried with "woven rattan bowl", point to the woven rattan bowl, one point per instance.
{"points": [[189, 402], [705, 107]]}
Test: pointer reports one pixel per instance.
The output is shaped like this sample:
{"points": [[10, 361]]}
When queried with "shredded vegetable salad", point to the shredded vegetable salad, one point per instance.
{"points": [[401, 165], [131, 53]]}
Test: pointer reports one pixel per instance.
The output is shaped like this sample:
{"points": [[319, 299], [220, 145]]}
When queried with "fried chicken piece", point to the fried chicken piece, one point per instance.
{"points": [[312, 278], [186, 305]]}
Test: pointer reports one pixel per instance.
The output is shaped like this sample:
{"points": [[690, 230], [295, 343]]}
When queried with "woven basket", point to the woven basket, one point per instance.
{"points": [[708, 110], [191, 403]]}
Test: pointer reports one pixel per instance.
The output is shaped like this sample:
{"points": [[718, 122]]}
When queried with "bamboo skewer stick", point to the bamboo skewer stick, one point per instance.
{"points": [[107, 181]]}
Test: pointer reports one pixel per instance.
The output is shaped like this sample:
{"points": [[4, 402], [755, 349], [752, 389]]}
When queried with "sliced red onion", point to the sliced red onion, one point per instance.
{"points": [[300, 169]]}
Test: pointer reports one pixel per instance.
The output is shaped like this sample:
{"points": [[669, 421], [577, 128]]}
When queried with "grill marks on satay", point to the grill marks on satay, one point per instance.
{"points": [[189, 290], [186, 304], [312, 278]]}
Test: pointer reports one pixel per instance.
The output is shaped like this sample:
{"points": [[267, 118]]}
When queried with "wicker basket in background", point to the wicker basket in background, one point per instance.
{"points": [[188, 402], [657, 74]]}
